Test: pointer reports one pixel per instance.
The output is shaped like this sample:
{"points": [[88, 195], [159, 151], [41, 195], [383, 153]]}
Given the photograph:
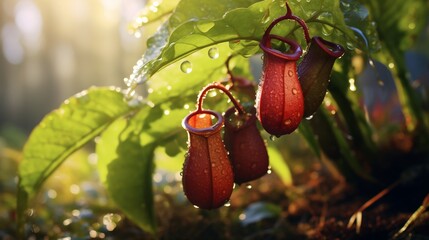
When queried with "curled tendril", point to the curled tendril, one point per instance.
{"points": [[289, 15]]}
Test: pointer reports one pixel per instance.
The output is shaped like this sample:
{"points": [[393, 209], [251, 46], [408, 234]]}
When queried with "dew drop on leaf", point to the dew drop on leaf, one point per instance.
{"points": [[266, 18], [130, 93], [350, 46], [294, 91], [327, 30], [272, 138], [186, 67], [127, 81], [371, 63], [213, 53], [345, 4]]}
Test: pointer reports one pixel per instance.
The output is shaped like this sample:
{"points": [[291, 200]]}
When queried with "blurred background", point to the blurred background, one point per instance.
{"points": [[50, 50]]}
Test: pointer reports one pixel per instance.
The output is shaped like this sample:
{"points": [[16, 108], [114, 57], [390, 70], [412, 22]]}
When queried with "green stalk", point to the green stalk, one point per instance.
{"points": [[22, 204]]}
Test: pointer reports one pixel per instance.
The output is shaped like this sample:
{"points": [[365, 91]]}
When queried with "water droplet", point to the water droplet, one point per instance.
{"points": [[130, 93], [327, 30], [213, 53], [290, 73], [128, 81], [352, 86], [266, 18], [294, 91], [213, 165], [269, 171], [137, 34], [391, 65], [309, 117], [195, 206], [272, 137], [186, 67], [181, 173], [248, 186], [350, 46], [206, 171], [345, 4], [153, 8], [308, 1], [288, 122], [227, 204]]}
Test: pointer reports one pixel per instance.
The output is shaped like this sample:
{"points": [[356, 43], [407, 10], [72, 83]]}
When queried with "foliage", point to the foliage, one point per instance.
{"points": [[188, 51]]}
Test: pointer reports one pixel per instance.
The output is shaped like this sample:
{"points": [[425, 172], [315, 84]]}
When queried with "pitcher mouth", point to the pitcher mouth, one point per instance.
{"points": [[208, 130], [294, 53], [333, 49]]}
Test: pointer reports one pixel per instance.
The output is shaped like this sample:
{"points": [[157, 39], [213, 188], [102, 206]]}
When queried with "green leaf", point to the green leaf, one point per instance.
{"points": [[279, 166], [398, 23], [153, 11], [171, 82], [305, 130], [169, 163], [333, 141], [126, 153], [198, 24], [126, 170], [357, 17], [78, 120], [357, 124]]}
